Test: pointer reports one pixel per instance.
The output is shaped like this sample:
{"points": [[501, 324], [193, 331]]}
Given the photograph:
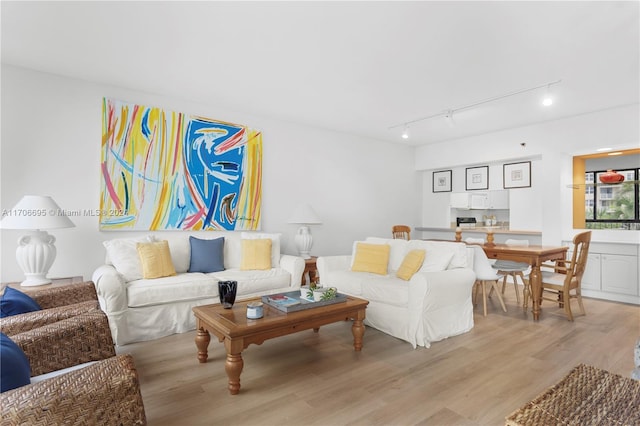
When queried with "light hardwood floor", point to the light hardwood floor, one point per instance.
{"points": [[476, 378]]}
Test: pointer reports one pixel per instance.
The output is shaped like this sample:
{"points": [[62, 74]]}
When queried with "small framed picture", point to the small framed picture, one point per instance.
{"points": [[442, 181], [477, 178], [517, 175]]}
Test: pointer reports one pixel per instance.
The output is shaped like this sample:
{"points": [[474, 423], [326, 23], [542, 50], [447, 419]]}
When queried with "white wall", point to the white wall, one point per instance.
{"points": [[554, 143], [51, 131]]}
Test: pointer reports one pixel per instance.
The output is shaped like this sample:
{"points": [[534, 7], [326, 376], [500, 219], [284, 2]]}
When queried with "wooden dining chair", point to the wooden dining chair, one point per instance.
{"points": [[564, 282], [401, 232]]}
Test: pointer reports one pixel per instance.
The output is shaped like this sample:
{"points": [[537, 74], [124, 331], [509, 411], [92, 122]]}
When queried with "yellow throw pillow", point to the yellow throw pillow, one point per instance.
{"points": [[411, 264], [256, 254], [371, 258], [155, 259]]}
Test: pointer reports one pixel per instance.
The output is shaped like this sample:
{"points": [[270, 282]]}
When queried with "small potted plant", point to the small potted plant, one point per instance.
{"points": [[322, 294], [318, 293], [329, 293]]}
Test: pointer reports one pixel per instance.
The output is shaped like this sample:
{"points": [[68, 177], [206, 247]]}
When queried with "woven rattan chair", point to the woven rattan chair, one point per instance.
{"points": [[401, 232], [57, 303], [106, 392], [65, 295], [67, 343]]}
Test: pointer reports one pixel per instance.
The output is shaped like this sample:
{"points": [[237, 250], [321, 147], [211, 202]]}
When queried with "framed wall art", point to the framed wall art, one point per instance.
{"points": [[442, 181], [517, 175], [167, 170], [477, 178]]}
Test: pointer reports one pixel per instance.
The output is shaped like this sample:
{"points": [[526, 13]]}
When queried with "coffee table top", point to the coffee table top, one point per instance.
{"points": [[234, 322]]}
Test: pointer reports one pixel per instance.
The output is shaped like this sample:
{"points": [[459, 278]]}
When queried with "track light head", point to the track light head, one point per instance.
{"points": [[405, 132], [449, 118]]}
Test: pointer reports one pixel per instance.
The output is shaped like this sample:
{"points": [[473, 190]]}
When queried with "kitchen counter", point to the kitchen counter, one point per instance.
{"points": [[482, 230]]}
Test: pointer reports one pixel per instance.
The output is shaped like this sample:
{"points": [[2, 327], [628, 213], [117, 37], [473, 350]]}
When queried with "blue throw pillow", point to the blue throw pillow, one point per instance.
{"points": [[206, 255], [15, 370], [14, 302]]}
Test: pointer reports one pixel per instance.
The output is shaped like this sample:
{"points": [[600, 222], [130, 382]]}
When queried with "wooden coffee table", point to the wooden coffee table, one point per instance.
{"points": [[236, 331]]}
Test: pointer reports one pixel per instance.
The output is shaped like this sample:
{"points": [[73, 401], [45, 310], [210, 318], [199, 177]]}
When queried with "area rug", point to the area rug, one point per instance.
{"points": [[585, 396]]}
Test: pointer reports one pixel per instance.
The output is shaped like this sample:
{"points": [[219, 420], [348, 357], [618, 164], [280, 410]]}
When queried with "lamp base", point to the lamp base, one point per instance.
{"points": [[304, 241], [35, 280], [35, 254]]}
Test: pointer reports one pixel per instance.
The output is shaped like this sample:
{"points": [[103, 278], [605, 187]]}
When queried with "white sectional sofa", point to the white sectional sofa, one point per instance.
{"points": [[435, 303], [144, 309]]}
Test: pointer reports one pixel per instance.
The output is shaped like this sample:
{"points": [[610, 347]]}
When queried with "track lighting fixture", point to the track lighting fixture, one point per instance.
{"points": [[448, 113]]}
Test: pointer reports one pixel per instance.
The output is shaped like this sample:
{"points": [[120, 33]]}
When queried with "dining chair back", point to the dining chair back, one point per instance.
{"points": [[565, 281], [485, 275], [401, 232]]}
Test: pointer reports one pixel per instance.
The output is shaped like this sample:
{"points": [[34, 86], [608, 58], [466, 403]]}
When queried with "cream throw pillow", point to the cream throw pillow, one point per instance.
{"points": [[371, 258], [411, 264], [123, 255], [155, 259], [256, 254]]}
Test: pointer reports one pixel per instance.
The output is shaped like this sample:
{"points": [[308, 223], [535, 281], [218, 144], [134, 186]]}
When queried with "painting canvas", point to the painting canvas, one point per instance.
{"points": [[165, 170]]}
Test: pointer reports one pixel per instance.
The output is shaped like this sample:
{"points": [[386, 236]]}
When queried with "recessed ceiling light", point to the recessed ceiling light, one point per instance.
{"points": [[603, 149], [548, 98]]}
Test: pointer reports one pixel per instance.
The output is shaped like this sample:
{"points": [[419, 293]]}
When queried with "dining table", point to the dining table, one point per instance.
{"points": [[534, 255]]}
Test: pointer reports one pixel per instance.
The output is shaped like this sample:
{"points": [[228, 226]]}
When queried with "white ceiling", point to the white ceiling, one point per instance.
{"points": [[355, 67]]}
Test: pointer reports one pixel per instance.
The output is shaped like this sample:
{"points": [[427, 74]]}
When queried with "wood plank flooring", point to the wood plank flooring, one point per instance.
{"points": [[476, 378]]}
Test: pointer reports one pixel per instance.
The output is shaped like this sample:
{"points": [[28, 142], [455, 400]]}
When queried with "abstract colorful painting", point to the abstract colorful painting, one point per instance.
{"points": [[165, 170]]}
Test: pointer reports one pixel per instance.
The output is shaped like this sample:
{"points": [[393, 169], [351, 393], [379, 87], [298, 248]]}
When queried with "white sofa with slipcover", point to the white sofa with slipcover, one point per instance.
{"points": [[141, 308], [427, 306]]}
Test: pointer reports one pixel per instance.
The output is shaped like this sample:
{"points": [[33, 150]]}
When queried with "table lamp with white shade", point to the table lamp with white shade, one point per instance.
{"points": [[36, 250], [304, 215]]}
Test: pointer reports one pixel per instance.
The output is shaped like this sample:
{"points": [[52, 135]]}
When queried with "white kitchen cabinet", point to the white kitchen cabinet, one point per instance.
{"points": [[480, 200], [498, 200], [460, 200], [591, 278], [619, 274], [611, 272]]}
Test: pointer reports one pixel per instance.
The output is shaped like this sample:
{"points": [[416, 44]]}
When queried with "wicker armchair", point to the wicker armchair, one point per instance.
{"points": [[72, 341], [65, 295], [106, 392], [57, 303]]}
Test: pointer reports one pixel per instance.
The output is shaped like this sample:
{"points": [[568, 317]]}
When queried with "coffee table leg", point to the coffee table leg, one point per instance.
{"points": [[202, 343], [358, 331], [233, 367]]}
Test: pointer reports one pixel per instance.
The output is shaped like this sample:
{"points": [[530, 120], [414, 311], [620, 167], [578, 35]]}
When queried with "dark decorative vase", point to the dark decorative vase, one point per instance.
{"points": [[611, 177], [227, 292]]}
